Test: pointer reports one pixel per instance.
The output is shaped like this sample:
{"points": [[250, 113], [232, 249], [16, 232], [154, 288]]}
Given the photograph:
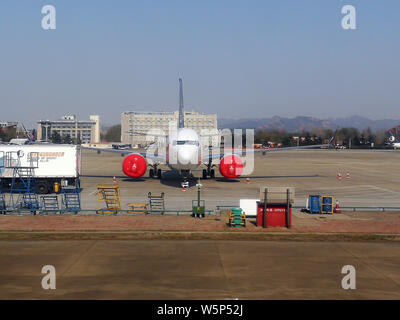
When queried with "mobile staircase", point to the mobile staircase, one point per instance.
{"points": [[110, 196], [23, 193], [71, 198], [156, 203]]}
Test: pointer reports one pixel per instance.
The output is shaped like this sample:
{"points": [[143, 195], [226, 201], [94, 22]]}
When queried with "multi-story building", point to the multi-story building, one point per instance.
{"points": [[143, 122], [88, 131], [8, 124]]}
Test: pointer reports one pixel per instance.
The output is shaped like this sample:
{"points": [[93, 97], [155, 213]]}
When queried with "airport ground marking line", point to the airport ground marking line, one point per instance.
{"points": [[376, 270], [373, 269], [384, 189], [80, 255], [228, 290], [339, 188]]}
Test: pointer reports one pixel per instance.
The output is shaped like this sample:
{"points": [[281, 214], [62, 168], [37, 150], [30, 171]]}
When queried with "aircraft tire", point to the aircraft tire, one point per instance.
{"points": [[212, 173]]}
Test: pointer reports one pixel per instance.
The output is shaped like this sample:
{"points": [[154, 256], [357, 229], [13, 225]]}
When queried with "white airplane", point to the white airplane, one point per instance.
{"points": [[393, 142], [183, 153]]}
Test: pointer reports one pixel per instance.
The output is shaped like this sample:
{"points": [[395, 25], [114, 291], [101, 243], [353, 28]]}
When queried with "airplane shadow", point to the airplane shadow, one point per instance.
{"points": [[172, 178], [227, 180]]}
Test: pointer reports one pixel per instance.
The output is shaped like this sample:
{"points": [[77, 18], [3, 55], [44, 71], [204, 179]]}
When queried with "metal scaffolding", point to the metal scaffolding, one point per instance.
{"points": [[23, 193]]}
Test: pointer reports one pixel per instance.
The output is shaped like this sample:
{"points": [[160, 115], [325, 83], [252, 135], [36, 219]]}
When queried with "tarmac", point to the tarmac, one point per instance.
{"points": [[374, 176]]}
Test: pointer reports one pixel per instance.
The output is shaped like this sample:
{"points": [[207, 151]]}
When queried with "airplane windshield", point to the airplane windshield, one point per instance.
{"points": [[186, 142]]}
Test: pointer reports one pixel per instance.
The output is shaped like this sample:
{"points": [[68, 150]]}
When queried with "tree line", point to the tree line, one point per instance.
{"points": [[347, 137], [8, 133]]}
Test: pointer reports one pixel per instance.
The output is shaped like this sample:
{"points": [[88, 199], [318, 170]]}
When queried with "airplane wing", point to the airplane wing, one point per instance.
{"points": [[221, 155], [264, 151], [158, 158], [148, 134]]}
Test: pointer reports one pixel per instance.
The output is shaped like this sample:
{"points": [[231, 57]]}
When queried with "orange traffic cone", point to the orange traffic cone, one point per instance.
{"points": [[347, 175], [337, 208], [339, 176], [247, 180], [115, 179], [183, 189]]}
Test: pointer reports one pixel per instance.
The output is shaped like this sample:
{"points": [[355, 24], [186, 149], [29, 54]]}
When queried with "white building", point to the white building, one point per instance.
{"points": [[88, 131], [143, 122], [6, 124]]}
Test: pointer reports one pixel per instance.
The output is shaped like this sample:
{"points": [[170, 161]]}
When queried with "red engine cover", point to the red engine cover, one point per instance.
{"points": [[134, 165], [231, 166]]}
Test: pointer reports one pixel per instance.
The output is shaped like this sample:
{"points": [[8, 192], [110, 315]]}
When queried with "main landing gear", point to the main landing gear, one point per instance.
{"points": [[209, 172], [186, 175], [155, 173]]}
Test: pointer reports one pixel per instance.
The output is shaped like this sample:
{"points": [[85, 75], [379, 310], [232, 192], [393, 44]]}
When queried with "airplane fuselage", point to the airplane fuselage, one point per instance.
{"points": [[396, 145], [183, 150]]}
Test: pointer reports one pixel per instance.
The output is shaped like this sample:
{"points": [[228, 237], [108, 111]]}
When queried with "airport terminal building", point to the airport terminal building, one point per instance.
{"points": [[87, 130], [142, 122]]}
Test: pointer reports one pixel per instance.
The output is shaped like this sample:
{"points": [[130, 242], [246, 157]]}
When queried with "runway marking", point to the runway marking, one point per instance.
{"points": [[384, 189], [80, 255], [228, 290], [373, 269], [332, 188]]}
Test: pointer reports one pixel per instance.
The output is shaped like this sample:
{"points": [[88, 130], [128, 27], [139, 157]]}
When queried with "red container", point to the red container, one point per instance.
{"points": [[276, 215]]}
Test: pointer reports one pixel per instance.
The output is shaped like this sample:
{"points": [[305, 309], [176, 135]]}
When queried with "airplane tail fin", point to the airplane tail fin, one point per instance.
{"points": [[181, 123], [28, 135], [331, 140]]}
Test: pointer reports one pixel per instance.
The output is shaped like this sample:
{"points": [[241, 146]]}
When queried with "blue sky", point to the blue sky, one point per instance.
{"points": [[240, 59]]}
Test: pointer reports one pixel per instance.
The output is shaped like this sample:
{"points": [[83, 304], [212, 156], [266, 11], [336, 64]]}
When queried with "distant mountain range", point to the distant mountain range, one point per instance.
{"points": [[308, 123]]}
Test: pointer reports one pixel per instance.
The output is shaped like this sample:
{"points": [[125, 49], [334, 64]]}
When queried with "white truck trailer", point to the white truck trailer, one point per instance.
{"points": [[52, 163]]}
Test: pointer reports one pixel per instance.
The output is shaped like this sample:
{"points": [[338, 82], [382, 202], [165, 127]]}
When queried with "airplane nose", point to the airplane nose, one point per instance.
{"points": [[184, 156]]}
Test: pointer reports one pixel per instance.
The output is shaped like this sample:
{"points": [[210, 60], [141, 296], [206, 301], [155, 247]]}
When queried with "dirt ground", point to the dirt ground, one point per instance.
{"points": [[349, 222], [167, 269]]}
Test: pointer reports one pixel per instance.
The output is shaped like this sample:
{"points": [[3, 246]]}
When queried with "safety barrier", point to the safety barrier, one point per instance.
{"points": [[372, 208], [177, 212], [106, 211], [348, 208]]}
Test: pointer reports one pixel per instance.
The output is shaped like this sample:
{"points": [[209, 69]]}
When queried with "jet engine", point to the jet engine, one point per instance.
{"points": [[231, 166], [392, 139], [134, 165]]}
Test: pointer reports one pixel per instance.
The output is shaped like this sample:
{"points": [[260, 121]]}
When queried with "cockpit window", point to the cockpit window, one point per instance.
{"points": [[186, 142]]}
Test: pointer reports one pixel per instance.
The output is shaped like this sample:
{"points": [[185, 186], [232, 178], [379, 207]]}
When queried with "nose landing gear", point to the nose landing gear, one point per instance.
{"points": [[185, 184]]}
